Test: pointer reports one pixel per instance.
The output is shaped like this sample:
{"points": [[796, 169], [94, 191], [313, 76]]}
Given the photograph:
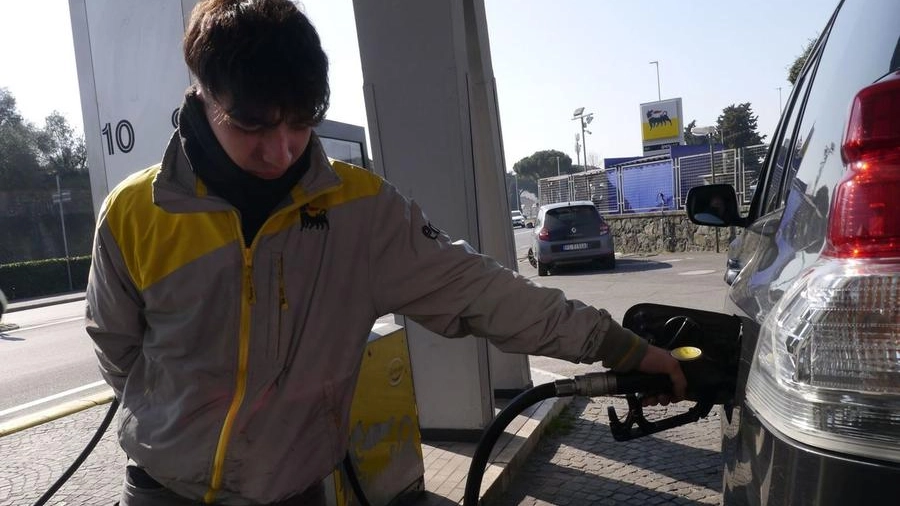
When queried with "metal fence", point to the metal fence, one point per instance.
{"points": [[659, 183]]}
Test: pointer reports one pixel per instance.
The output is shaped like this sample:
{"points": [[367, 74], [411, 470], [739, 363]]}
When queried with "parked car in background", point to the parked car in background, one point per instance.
{"points": [[570, 232], [816, 281], [518, 219]]}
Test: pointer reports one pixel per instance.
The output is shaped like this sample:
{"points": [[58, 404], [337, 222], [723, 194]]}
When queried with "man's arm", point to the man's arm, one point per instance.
{"points": [[113, 317], [453, 291]]}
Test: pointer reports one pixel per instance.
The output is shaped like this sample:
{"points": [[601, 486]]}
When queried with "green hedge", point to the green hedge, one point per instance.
{"points": [[40, 278]]}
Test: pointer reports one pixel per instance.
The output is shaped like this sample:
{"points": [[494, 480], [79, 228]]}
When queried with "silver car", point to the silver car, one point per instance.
{"points": [[570, 232]]}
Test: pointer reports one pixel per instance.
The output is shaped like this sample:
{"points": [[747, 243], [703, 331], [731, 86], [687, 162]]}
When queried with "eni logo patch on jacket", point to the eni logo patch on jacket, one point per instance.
{"points": [[313, 218]]}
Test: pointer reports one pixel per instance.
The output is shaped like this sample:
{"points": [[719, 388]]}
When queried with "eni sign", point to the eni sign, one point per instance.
{"points": [[661, 125]]}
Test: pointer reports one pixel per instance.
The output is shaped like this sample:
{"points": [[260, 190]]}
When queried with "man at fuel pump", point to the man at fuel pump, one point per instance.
{"points": [[234, 285]]}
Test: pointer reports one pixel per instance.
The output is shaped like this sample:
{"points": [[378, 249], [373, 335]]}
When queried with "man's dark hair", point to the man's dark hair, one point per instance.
{"points": [[260, 56]]}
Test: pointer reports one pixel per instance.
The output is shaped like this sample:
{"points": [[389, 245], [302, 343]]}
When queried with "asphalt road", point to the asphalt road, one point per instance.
{"points": [[687, 279], [49, 354]]}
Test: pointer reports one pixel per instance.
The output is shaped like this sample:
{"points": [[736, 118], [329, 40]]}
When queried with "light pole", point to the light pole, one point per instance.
{"points": [[585, 119], [516, 178], [709, 132], [658, 92], [779, 99], [577, 149], [557, 166], [60, 197]]}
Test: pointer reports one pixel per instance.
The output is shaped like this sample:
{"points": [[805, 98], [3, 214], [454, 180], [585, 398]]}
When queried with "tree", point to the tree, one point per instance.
{"points": [[62, 152], [531, 168], [691, 139], [797, 66], [9, 114], [19, 165], [738, 126], [542, 164]]}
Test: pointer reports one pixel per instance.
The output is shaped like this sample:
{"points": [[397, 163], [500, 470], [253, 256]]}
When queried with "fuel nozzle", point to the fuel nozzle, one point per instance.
{"points": [[708, 383], [601, 384]]}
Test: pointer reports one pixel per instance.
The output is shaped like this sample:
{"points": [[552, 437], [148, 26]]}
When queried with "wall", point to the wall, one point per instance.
{"points": [[668, 231], [30, 227]]}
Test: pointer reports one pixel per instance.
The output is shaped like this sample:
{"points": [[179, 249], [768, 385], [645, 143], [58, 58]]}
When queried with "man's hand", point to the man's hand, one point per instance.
{"points": [[659, 361]]}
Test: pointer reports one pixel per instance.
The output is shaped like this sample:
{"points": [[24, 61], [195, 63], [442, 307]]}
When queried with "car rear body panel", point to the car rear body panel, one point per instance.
{"points": [[765, 467]]}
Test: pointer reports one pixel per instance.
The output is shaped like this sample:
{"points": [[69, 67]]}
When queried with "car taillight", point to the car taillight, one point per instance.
{"points": [[865, 215], [827, 365], [604, 229], [544, 234]]}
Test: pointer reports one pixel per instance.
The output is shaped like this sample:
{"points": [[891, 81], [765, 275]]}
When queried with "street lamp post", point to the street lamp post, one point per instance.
{"points": [[585, 119], [59, 198], [779, 99], [516, 179], [577, 149], [557, 166], [709, 132], [658, 92]]}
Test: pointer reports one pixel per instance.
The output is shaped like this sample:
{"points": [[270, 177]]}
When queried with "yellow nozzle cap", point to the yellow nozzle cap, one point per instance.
{"points": [[686, 353]]}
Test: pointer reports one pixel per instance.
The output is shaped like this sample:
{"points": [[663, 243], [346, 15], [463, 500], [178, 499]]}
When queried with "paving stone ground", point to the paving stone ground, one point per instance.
{"points": [[578, 463], [585, 466], [33, 459]]}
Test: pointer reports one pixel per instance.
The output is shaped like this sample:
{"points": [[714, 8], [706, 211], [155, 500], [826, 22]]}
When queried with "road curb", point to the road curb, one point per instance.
{"points": [[48, 415], [44, 302]]}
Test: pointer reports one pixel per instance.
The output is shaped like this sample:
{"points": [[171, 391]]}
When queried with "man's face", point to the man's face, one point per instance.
{"points": [[264, 145]]}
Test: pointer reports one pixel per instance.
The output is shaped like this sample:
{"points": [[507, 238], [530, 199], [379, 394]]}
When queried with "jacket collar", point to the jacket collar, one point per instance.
{"points": [[177, 189]]}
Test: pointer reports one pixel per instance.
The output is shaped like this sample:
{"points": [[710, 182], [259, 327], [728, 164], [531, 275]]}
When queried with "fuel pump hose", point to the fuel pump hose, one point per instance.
{"points": [[589, 385], [98, 434]]}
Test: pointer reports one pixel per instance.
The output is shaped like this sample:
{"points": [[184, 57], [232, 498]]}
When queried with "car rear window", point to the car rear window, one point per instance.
{"points": [[576, 216]]}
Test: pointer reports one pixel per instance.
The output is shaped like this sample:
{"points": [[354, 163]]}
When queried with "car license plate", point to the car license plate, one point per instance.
{"points": [[575, 246]]}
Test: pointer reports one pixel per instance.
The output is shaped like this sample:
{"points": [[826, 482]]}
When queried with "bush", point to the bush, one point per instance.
{"points": [[40, 278]]}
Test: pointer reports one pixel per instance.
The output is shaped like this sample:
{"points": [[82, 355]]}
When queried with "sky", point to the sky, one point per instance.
{"points": [[549, 58]]}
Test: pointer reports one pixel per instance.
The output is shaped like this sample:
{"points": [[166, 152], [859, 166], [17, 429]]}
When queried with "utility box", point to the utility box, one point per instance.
{"points": [[385, 443]]}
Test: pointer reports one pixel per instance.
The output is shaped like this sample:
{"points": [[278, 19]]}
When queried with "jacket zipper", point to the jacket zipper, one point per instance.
{"points": [[248, 298], [281, 295], [282, 300]]}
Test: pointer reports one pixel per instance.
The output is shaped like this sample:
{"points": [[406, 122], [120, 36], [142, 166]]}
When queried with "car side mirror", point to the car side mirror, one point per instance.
{"points": [[713, 205]]}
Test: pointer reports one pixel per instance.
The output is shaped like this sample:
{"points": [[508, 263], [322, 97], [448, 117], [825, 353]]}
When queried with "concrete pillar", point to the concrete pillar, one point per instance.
{"points": [[433, 121]]}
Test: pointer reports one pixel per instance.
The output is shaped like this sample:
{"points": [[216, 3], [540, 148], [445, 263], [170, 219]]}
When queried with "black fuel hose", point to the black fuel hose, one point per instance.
{"points": [[98, 434], [590, 385], [493, 432], [353, 478]]}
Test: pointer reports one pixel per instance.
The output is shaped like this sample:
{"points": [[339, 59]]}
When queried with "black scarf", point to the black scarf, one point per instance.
{"points": [[254, 198]]}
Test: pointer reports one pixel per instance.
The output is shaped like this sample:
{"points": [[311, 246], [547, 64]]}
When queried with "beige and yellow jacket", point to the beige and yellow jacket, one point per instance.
{"points": [[236, 366]]}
